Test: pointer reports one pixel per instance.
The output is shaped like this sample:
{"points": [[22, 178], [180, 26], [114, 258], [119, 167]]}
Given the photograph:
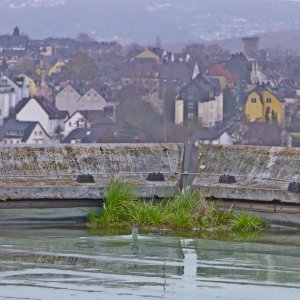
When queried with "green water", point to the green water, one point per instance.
{"points": [[74, 263]]}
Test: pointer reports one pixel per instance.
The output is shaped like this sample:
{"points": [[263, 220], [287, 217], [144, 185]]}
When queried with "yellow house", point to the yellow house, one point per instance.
{"points": [[263, 105], [45, 68], [56, 68], [31, 83]]}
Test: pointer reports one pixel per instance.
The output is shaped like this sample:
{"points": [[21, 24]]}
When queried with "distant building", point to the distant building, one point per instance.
{"points": [[18, 85], [85, 98], [212, 136], [264, 105], [23, 132], [200, 100], [88, 119], [7, 101], [85, 135], [43, 111]]}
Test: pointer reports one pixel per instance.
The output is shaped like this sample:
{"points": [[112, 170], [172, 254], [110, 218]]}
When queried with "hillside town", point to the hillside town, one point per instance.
{"points": [[63, 90]]}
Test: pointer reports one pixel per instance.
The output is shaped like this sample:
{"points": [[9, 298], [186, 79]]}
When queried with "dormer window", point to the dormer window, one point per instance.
{"points": [[253, 100], [211, 94], [269, 100]]}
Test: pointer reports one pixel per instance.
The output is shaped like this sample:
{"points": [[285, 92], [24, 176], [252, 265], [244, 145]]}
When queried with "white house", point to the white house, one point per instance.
{"points": [[72, 100], [20, 88], [43, 111], [200, 100], [87, 119], [17, 132], [212, 136], [66, 98]]}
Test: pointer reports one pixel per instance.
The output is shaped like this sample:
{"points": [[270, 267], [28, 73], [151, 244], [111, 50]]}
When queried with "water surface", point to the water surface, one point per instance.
{"points": [[74, 263]]}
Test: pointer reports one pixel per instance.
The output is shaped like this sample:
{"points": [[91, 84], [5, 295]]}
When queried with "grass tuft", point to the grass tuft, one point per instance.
{"points": [[246, 222], [185, 211]]}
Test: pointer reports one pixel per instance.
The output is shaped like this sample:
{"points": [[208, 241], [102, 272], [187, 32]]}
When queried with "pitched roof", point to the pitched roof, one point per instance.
{"points": [[140, 69], [200, 89], [85, 135], [176, 70], [48, 106], [220, 70], [260, 88], [94, 116], [18, 129]]}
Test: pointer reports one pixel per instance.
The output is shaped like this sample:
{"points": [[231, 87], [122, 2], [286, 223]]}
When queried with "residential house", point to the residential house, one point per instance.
{"points": [[7, 101], [226, 78], [18, 85], [33, 82], [72, 99], [177, 74], [66, 98], [264, 105], [201, 100], [56, 67], [212, 136], [239, 66], [43, 111], [23, 132], [49, 65], [145, 74], [12, 56], [88, 119], [85, 135]]}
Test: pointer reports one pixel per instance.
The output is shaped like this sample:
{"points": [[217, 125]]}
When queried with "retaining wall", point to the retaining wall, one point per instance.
{"points": [[262, 173], [50, 171]]}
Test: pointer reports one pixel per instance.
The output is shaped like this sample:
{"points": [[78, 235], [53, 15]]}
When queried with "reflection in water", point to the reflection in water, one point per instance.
{"points": [[71, 264]]}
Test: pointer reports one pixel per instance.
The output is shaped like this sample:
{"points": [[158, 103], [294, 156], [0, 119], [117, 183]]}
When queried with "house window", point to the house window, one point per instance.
{"points": [[269, 100], [190, 105], [0, 112], [253, 100], [70, 124], [190, 115]]}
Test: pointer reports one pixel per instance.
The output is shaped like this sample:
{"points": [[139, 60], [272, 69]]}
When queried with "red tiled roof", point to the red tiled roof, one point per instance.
{"points": [[219, 70]]}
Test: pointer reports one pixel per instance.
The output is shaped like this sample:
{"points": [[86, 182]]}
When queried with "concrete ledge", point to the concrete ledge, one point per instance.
{"points": [[262, 173], [50, 172]]}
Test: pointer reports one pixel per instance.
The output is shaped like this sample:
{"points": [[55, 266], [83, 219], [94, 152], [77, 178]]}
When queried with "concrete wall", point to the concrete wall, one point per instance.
{"points": [[50, 172], [262, 173], [97, 158]]}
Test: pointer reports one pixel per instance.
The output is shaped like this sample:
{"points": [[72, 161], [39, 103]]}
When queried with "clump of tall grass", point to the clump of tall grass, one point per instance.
{"points": [[118, 204], [149, 214], [185, 211], [246, 222]]}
